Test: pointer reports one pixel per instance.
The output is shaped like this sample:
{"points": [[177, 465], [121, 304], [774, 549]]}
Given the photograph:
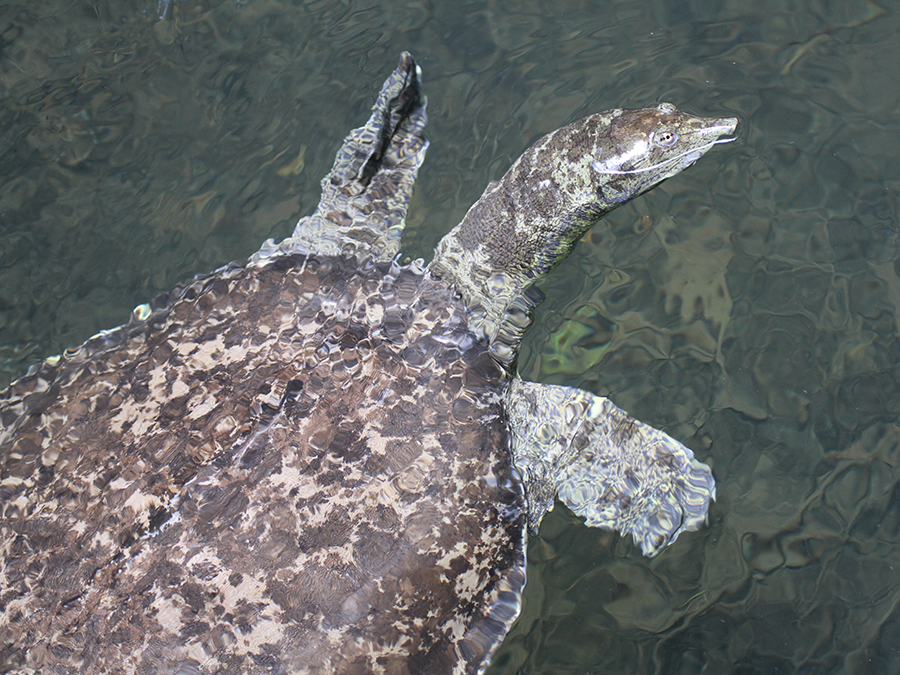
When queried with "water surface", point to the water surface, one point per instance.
{"points": [[749, 306]]}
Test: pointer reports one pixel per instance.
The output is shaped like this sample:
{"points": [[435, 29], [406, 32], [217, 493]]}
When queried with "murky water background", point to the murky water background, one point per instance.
{"points": [[749, 307]]}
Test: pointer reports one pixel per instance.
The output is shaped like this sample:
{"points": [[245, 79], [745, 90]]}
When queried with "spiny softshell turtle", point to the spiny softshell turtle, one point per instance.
{"points": [[319, 460]]}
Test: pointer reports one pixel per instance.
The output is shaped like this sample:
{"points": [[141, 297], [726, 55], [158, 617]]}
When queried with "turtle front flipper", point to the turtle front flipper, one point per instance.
{"points": [[362, 211], [616, 472]]}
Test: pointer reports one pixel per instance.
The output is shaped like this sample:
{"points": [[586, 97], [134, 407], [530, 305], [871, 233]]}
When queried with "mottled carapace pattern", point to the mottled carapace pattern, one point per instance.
{"points": [[292, 466], [295, 465]]}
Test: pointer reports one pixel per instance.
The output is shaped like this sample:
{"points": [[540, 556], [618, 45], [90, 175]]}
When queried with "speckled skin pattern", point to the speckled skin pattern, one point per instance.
{"points": [[528, 221], [603, 464], [312, 462]]}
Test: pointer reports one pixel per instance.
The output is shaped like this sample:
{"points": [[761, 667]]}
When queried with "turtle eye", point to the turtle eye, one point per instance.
{"points": [[665, 138]]}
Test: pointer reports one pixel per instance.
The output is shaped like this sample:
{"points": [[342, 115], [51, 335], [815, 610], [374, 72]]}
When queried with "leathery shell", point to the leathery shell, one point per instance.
{"points": [[297, 464]]}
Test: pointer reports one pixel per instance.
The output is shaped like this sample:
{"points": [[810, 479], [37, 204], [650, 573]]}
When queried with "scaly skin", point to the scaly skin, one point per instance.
{"points": [[529, 221]]}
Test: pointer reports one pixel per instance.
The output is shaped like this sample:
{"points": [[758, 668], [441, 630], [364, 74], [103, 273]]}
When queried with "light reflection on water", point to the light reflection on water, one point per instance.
{"points": [[749, 306]]}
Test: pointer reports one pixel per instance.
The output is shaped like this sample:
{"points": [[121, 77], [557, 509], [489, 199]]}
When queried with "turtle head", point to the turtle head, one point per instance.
{"points": [[577, 174], [530, 220], [633, 150]]}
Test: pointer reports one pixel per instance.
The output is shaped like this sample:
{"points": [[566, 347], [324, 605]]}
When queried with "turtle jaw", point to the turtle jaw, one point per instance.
{"points": [[722, 126], [717, 128]]}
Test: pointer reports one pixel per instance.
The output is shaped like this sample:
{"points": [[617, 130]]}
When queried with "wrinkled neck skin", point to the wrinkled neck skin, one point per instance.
{"points": [[528, 222]]}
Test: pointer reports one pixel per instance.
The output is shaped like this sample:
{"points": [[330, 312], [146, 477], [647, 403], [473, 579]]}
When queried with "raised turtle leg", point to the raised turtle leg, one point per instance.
{"points": [[364, 199], [616, 472]]}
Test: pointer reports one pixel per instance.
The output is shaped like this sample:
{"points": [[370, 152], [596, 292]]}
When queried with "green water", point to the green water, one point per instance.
{"points": [[749, 306]]}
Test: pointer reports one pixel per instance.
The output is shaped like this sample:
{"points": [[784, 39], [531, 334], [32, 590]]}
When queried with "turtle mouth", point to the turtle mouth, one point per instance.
{"points": [[721, 126], [715, 131], [683, 160], [689, 158]]}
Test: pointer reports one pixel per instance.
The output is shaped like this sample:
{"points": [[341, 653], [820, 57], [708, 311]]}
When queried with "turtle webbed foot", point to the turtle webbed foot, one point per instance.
{"points": [[616, 472], [364, 200]]}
